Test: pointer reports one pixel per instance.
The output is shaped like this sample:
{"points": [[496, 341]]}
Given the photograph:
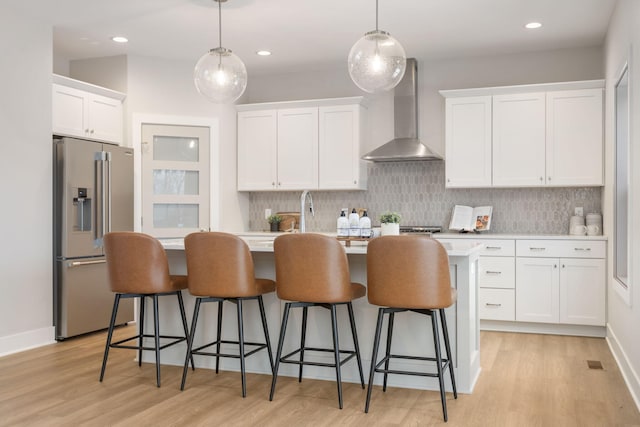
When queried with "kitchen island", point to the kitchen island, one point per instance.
{"points": [[412, 332]]}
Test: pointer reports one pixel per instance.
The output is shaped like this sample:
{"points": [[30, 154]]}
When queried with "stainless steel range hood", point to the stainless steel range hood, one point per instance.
{"points": [[405, 146]]}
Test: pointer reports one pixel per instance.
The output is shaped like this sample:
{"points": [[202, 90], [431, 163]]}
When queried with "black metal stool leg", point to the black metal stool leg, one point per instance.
{"points": [[352, 320], [141, 330], [388, 350], [218, 334], [436, 344], [114, 312], [194, 321], [445, 332], [336, 351], [266, 331], [285, 319], [241, 344], [183, 315], [374, 357], [302, 342], [156, 328]]}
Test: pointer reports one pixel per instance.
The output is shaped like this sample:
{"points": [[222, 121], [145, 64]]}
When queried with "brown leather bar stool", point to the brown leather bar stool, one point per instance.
{"points": [[220, 268], [137, 267], [410, 273], [312, 270]]}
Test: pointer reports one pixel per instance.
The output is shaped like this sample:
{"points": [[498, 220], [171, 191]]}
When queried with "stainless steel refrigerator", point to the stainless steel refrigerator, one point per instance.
{"points": [[93, 194]]}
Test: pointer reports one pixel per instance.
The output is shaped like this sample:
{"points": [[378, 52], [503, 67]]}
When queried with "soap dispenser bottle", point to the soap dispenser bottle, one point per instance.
{"points": [[354, 224], [343, 224], [365, 225]]}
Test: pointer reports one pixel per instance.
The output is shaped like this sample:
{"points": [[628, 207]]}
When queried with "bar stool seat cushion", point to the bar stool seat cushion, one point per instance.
{"points": [[264, 286], [357, 291]]}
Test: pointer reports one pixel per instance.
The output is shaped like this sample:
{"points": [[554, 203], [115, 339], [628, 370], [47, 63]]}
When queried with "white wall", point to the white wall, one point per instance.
{"points": [[26, 305], [624, 319], [109, 72]]}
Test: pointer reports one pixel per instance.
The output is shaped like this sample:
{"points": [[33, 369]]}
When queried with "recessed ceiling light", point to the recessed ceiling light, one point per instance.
{"points": [[533, 25], [263, 53], [120, 39]]}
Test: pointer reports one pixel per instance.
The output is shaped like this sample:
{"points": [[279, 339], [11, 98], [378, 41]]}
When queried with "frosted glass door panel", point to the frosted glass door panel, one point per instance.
{"points": [[175, 182], [175, 216], [176, 149]]}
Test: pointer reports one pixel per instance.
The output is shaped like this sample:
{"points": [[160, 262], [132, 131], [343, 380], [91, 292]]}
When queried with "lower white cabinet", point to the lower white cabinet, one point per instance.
{"points": [[569, 289]]}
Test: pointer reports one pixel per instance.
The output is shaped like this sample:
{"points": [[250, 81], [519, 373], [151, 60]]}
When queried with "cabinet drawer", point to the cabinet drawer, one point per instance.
{"points": [[492, 247], [561, 248], [497, 304], [496, 272]]}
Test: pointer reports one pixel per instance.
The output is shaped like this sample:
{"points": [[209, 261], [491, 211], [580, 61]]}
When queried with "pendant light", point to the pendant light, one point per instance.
{"points": [[377, 61], [220, 75]]}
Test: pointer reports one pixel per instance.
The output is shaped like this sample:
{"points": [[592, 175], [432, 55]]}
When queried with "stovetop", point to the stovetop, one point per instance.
{"points": [[420, 229]]}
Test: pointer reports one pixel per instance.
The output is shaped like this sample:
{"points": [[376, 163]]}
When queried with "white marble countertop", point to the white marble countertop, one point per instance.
{"points": [[263, 242]]}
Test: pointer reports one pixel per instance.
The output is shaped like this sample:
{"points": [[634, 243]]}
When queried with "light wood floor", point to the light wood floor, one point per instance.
{"points": [[527, 380]]}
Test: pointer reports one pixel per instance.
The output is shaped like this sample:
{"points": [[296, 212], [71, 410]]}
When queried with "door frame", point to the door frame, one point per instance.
{"points": [[213, 124]]}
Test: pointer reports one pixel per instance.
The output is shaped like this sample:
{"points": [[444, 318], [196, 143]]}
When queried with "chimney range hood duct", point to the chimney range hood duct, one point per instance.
{"points": [[405, 146]]}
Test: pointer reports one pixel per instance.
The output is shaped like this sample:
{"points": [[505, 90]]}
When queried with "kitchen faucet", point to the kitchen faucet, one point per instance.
{"points": [[303, 199]]}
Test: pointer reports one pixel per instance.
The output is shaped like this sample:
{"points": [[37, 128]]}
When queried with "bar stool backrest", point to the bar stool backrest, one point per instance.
{"points": [[136, 263], [220, 265], [408, 272], [311, 268]]}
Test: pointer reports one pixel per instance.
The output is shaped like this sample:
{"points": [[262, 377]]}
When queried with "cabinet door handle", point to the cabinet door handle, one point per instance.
{"points": [[531, 248], [541, 179], [549, 178], [563, 266], [490, 304], [581, 249], [493, 248], [555, 265], [493, 272]]}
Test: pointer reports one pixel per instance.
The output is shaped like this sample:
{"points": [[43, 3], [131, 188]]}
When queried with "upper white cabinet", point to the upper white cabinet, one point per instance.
{"points": [[518, 140], [86, 111], [539, 135], [301, 145], [468, 142], [574, 137], [340, 131], [297, 148]]}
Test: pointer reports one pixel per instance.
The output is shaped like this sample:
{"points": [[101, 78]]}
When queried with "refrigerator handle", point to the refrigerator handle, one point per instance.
{"points": [[107, 195], [100, 171]]}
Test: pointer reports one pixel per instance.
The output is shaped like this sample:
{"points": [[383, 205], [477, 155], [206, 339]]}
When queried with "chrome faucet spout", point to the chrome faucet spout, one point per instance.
{"points": [[303, 201]]}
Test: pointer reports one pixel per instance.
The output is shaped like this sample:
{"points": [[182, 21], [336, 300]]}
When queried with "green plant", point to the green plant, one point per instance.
{"points": [[274, 219], [390, 218]]}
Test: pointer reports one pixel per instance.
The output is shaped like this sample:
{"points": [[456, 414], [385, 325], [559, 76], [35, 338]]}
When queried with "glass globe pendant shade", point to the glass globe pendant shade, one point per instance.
{"points": [[377, 62], [220, 75]]}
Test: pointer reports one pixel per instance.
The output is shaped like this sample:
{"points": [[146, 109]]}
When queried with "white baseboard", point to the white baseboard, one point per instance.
{"points": [[543, 328], [27, 340], [628, 373]]}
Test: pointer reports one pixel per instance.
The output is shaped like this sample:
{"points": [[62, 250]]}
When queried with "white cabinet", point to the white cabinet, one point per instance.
{"points": [[574, 137], [278, 149], [301, 145], [539, 135], [468, 142], [560, 282], [92, 112], [496, 279], [297, 149], [519, 140], [257, 150], [340, 133]]}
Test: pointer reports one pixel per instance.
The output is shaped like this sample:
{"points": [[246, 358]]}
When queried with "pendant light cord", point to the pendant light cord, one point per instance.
{"points": [[220, 23], [376, 15]]}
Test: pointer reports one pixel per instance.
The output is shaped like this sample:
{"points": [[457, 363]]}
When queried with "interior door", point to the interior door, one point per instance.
{"points": [[175, 179]]}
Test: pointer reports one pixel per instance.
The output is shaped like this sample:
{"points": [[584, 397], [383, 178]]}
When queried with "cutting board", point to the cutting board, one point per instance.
{"points": [[289, 219]]}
